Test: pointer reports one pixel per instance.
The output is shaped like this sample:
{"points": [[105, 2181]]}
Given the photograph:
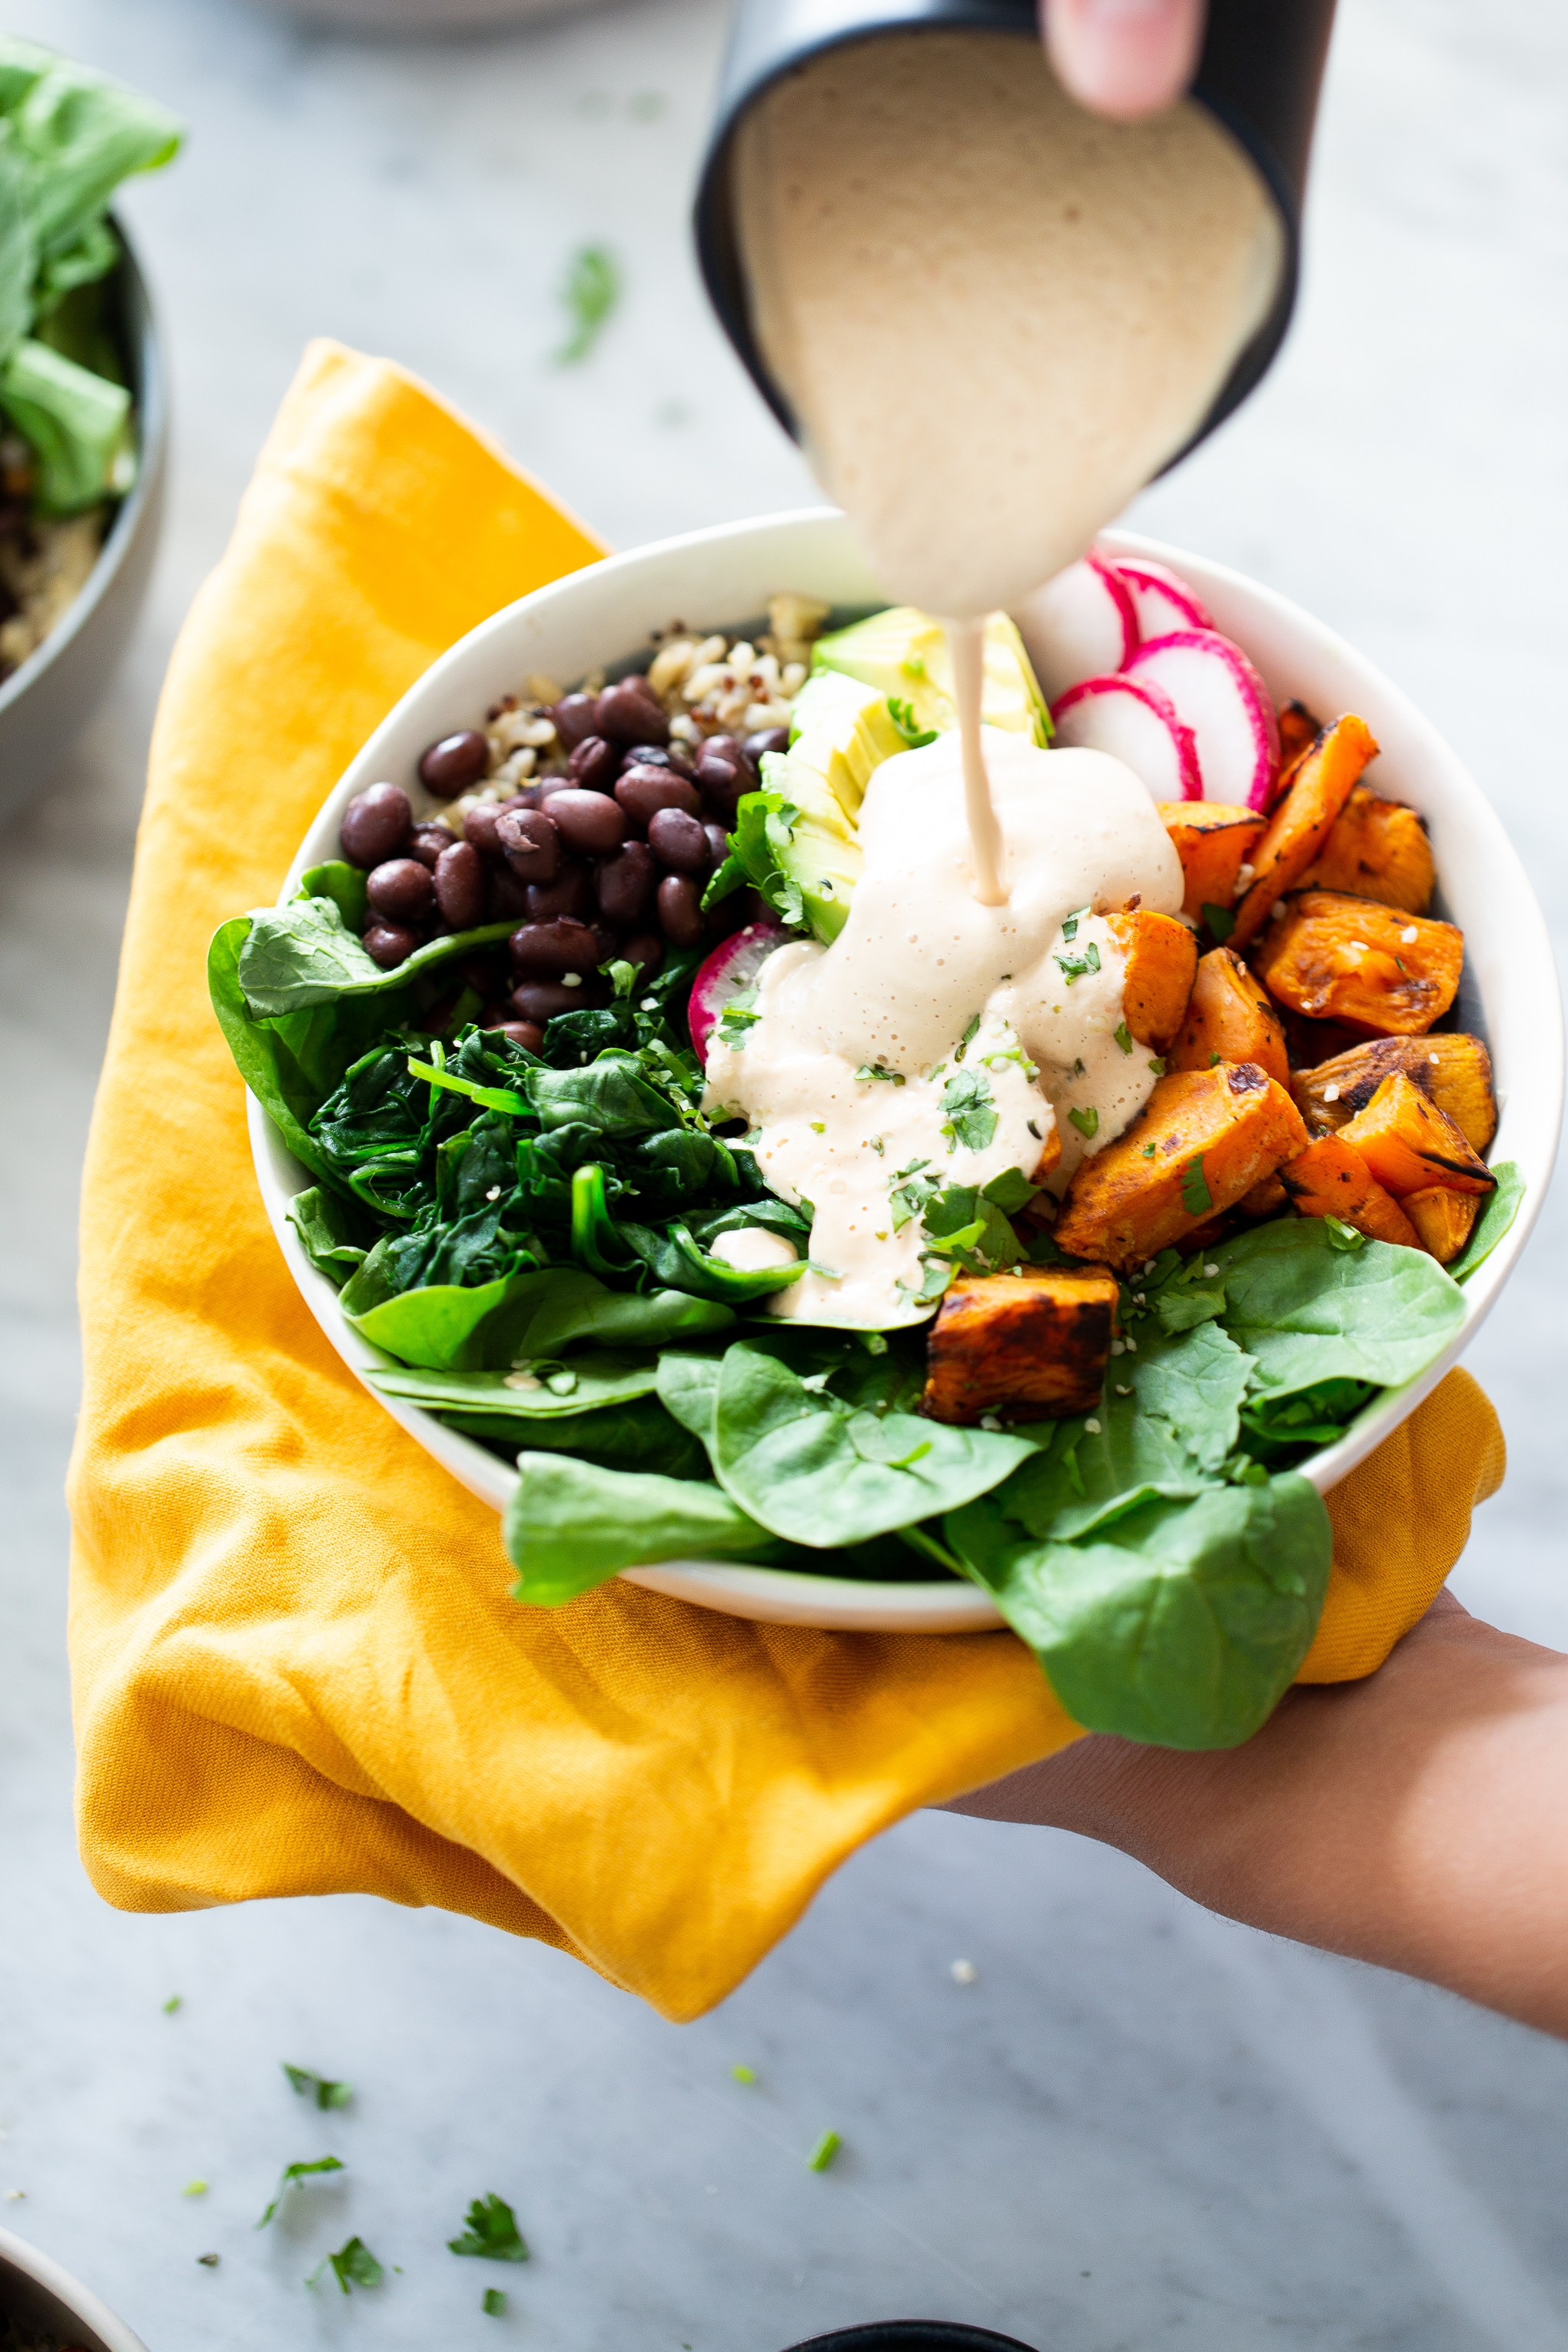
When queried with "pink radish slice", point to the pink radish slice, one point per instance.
{"points": [[729, 972], [1219, 695], [1081, 624], [1137, 724], [1161, 598]]}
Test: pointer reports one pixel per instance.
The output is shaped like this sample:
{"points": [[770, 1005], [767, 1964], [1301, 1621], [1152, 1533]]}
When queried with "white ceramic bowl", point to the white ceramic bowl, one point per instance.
{"points": [[724, 577], [41, 2298]]}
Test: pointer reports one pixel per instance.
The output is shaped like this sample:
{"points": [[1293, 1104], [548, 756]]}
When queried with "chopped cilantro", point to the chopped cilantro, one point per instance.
{"points": [[743, 2073], [869, 1070], [492, 2303], [1213, 1061], [1196, 1198], [492, 2232], [352, 2265], [325, 2094], [175, 2001], [967, 1039], [1221, 921], [195, 2188], [291, 2178], [1074, 966], [902, 715], [1148, 1151], [1123, 1036], [591, 292], [1087, 1121], [1157, 1064], [733, 1024], [970, 1118], [878, 1146], [1071, 922], [823, 2154]]}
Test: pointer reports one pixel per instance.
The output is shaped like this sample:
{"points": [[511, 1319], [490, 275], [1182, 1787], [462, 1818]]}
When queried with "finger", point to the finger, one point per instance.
{"points": [[1124, 57]]}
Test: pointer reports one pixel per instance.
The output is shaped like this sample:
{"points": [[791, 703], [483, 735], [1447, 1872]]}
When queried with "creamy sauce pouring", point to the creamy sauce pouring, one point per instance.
{"points": [[856, 1079], [995, 317]]}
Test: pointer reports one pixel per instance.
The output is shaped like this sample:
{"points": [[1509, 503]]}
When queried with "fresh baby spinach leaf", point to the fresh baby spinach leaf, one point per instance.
{"points": [[597, 1377], [303, 955], [570, 1525], [1496, 1217], [1309, 1312]]}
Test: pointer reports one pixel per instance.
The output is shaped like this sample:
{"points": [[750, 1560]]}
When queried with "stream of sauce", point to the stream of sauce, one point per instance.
{"points": [[995, 317]]}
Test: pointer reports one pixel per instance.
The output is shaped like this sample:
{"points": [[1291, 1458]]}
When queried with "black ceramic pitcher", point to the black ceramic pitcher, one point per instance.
{"points": [[1261, 66]]}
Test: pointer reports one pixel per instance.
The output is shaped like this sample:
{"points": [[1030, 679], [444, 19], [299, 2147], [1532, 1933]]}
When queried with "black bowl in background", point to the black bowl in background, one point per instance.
{"points": [[37, 2294], [913, 2336], [46, 703]]}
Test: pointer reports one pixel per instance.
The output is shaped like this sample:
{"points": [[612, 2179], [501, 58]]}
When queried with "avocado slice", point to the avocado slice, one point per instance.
{"points": [[816, 845], [903, 654], [843, 728]]}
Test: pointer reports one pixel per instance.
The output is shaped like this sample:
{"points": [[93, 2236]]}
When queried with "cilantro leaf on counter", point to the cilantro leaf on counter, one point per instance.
{"points": [[492, 2232], [353, 2266], [589, 295], [327, 2094], [292, 2175]]}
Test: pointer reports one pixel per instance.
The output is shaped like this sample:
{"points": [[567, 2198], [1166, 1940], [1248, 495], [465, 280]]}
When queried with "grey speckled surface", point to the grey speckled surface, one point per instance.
{"points": [[1138, 2127]]}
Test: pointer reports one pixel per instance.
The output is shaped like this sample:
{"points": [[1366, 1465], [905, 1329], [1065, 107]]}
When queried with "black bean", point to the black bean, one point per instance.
{"points": [[507, 896], [454, 763], [641, 790], [427, 841], [574, 717], [721, 782], [607, 941], [718, 843], [376, 823], [390, 943], [729, 747], [768, 739], [680, 910], [571, 893], [484, 975], [629, 712], [625, 883], [401, 889], [590, 823], [594, 765], [540, 1001], [529, 843], [679, 842], [646, 950], [657, 755], [549, 951], [479, 827], [527, 1033], [461, 885]]}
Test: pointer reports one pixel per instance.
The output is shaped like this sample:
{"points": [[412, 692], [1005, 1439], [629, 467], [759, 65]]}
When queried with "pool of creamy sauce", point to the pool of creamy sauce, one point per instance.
{"points": [[918, 961]]}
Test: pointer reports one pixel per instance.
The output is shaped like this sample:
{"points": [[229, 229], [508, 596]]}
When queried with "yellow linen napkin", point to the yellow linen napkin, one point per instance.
{"points": [[297, 1668]]}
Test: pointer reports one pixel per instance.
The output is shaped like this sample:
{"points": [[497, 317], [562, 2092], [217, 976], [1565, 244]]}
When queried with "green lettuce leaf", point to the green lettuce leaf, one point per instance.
{"points": [[1181, 1623]]}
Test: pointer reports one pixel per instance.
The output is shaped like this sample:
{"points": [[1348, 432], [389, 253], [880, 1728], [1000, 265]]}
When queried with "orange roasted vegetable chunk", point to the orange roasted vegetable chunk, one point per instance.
{"points": [[1204, 1139], [1378, 849], [1230, 1018], [1214, 842], [1303, 819], [1031, 1346], [1453, 1070], [1377, 969], [1443, 1220], [1299, 731], [1161, 957], [1331, 1179], [1408, 1143]]}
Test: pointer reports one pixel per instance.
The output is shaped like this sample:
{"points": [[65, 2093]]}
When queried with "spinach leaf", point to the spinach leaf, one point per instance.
{"points": [[539, 1312], [597, 1377], [613, 1096], [1181, 1623], [674, 1257], [1276, 1429], [439, 1328], [330, 1233], [569, 1524], [344, 885], [303, 955], [821, 1469], [636, 1436], [1309, 1312], [1493, 1222]]}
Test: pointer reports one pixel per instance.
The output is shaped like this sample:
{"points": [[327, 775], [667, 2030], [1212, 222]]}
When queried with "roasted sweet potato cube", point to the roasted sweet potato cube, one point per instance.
{"points": [[1443, 1220], [1203, 1141], [1451, 1069], [1299, 731], [1265, 1200], [1161, 957], [1303, 819], [1230, 1018], [1214, 842], [1408, 1143], [1378, 849], [1378, 969], [1030, 1346], [1331, 1179]]}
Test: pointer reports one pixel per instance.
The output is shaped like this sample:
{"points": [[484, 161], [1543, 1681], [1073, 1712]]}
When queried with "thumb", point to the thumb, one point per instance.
{"points": [[1123, 58]]}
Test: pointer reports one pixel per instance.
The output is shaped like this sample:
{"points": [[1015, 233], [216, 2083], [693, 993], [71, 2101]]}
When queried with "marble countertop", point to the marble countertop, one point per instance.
{"points": [[1136, 2127]]}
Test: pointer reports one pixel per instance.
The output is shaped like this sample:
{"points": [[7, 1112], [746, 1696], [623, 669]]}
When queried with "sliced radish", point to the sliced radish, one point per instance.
{"points": [[1219, 695], [1081, 624], [729, 972], [1161, 598], [1135, 722]]}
